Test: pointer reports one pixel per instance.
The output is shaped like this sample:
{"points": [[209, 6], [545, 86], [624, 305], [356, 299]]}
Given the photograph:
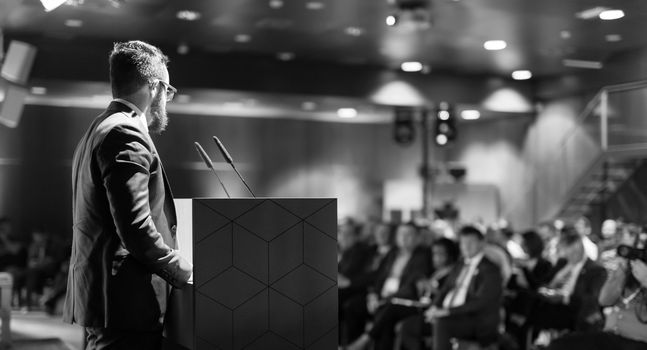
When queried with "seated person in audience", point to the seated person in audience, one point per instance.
{"points": [[583, 227], [550, 235], [382, 239], [444, 254], [44, 256], [396, 285], [12, 252], [528, 275], [624, 294], [468, 306], [570, 300], [495, 250], [354, 276]]}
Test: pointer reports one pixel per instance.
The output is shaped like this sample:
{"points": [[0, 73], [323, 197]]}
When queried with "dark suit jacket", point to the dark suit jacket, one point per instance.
{"points": [[355, 264], [584, 300], [484, 296], [418, 267], [124, 227]]}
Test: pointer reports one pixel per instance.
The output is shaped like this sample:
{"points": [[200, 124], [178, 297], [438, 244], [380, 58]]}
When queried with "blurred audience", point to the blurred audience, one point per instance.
{"points": [[395, 288], [626, 321], [355, 258], [583, 227], [468, 306]]}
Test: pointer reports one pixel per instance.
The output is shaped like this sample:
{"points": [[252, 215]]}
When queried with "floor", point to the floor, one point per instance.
{"points": [[36, 330]]}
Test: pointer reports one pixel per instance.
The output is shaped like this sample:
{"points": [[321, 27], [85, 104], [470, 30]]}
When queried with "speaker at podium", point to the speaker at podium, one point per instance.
{"points": [[265, 275]]}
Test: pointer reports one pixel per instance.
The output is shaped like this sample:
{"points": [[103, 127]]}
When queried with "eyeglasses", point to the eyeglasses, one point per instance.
{"points": [[170, 90]]}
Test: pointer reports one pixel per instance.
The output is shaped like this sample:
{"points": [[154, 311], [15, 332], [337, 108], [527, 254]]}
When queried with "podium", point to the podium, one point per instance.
{"points": [[265, 275]]}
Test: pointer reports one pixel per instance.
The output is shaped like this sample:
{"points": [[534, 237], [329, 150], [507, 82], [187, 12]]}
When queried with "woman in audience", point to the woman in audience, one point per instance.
{"points": [[395, 285]]}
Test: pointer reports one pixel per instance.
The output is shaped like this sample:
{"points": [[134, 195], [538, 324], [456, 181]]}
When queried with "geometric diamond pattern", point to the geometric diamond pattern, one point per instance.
{"points": [[265, 273]]}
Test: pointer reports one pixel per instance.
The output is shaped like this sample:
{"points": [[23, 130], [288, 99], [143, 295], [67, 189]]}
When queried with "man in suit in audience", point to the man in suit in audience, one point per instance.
{"points": [[124, 222], [353, 278], [468, 307], [570, 299]]}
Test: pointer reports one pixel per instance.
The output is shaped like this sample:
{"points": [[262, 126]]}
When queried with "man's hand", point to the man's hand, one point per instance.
{"points": [[553, 295], [434, 313], [639, 270]]}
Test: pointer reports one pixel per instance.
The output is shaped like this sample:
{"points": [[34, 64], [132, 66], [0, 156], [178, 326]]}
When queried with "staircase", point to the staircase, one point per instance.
{"points": [[616, 121]]}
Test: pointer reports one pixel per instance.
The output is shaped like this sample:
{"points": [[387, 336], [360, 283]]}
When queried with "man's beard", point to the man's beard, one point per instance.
{"points": [[159, 118]]}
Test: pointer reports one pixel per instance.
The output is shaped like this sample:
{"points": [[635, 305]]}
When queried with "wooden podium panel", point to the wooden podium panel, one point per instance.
{"points": [[265, 274]]}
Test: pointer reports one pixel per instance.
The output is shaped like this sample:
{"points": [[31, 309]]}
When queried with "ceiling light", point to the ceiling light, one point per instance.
{"points": [[610, 15], [74, 23], [308, 106], [285, 56], [347, 113], [565, 34], [493, 45], [188, 15], [613, 38], [521, 75], [411, 66], [591, 13], [242, 38], [582, 64], [50, 5], [443, 115], [441, 139], [315, 5], [354, 31], [38, 90], [276, 4], [391, 21], [182, 98], [470, 114], [183, 48]]}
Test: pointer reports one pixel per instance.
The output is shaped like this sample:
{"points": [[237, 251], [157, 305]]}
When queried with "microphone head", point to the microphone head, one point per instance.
{"points": [[223, 150], [203, 155]]}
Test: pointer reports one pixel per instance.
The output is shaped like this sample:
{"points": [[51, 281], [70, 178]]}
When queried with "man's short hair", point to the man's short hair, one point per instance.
{"points": [[134, 64], [470, 230], [569, 236]]}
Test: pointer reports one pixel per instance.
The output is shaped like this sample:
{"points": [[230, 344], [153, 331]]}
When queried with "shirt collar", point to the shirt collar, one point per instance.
{"points": [[135, 109]]}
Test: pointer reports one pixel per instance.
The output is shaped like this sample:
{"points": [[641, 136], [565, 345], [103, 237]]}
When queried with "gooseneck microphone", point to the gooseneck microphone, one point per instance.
{"points": [[209, 164], [229, 160]]}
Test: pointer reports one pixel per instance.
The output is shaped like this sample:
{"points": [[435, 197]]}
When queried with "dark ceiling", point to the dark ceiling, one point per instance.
{"points": [[314, 50], [539, 33]]}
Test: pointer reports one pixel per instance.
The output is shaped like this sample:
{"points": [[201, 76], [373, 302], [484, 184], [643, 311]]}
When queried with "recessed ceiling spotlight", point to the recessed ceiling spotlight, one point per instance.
{"points": [[347, 113], [188, 15], [38, 90], [411, 66], [183, 48], [613, 38], [354, 31], [308, 106], [610, 15], [276, 4], [74, 23], [470, 114], [285, 56], [493, 45], [391, 20], [315, 5], [441, 139], [242, 38], [521, 75]]}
